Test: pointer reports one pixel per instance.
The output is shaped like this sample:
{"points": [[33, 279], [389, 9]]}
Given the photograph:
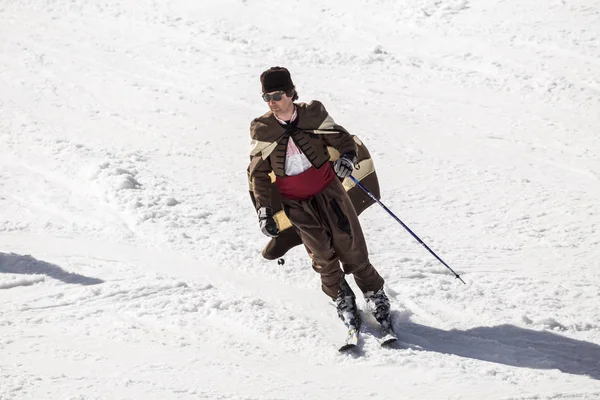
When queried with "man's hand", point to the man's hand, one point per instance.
{"points": [[344, 165], [267, 222]]}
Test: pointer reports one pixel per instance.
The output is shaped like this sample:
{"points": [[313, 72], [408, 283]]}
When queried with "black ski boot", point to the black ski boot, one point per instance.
{"points": [[346, 307], [348, 313], [379, 304]]}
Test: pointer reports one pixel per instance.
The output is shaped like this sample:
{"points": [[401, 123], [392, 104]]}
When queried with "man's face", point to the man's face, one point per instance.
{"points": [[281, 106]]}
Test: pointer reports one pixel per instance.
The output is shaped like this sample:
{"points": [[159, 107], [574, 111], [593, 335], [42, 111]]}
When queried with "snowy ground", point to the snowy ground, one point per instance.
{"points": [[130, 262]]}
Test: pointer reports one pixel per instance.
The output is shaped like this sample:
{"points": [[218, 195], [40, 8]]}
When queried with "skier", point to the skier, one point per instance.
{"points": [[291, 142]]}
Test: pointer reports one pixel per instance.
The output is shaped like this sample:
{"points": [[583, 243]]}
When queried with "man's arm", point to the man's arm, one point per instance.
{"points": [[341, 140], [260, 181], [261, 185]]}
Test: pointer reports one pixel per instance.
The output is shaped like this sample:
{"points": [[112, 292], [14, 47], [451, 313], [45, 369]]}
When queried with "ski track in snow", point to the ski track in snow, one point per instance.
{"points": [[130, 259]]}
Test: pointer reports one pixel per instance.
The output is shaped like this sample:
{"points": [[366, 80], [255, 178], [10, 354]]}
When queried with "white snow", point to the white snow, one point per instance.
{"points": [[130, 263]]}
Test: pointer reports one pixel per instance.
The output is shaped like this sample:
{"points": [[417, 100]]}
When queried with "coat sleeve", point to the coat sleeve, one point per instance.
{"points": [[259, 170], [260, 181], [342, 141]]}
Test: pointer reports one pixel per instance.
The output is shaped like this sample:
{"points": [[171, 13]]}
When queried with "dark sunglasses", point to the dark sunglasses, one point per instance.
{"points": [[275, 96]]}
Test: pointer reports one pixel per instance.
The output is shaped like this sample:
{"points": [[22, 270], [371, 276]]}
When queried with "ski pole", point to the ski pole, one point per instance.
{"points": [[404, 226]]}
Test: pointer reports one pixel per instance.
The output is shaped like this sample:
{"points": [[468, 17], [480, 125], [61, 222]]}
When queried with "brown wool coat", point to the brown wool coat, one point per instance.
{"points": [[314, 133]]}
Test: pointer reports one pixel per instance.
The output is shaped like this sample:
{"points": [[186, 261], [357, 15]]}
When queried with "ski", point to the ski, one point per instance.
{"points": [[389, 337], [351, 340], [388, 340]]}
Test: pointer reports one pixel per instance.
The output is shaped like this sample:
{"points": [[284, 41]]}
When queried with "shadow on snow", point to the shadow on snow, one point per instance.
{"points": [[508, 345], [20, 264]]}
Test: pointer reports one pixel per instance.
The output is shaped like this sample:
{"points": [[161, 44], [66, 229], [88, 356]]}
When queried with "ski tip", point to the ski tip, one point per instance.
{"points": [[389, 342], [351, 339], [347, 347]]}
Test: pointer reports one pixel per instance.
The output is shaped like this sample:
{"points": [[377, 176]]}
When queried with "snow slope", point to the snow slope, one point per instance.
{"points": [[130, 263]]}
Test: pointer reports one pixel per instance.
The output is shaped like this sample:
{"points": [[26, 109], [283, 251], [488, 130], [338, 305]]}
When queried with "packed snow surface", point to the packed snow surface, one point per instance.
{"points": [[130, 253]]}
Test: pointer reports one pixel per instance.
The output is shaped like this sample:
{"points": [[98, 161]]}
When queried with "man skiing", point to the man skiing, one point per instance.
{"points": [[290, 144]]}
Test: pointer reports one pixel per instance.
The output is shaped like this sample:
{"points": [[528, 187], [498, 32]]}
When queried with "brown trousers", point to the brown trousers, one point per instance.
{"points": [[330, 230]]}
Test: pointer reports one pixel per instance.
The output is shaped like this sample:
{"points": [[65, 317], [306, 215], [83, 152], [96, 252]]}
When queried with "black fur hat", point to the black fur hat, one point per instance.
{"points": [[276, 78]]}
